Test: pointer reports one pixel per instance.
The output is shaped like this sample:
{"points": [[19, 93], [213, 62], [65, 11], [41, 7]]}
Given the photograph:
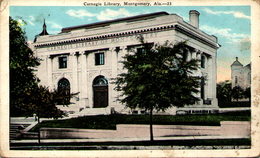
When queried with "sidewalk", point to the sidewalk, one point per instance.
{"points": [[125, 139]]}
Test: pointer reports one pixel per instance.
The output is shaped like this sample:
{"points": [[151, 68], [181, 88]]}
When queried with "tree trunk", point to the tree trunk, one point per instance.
{"points": [[151, 124], [39, 134]]}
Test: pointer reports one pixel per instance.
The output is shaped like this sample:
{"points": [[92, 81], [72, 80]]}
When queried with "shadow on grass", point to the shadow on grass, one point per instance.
{"points": [[110, 121]]}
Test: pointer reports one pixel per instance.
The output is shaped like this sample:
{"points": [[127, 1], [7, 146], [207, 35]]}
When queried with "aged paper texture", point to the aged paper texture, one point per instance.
{"points": [[101, 10]]}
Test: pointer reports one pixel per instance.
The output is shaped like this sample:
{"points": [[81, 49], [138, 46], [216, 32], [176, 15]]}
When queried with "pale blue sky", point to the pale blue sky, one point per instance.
{"points": [[231, 24]]}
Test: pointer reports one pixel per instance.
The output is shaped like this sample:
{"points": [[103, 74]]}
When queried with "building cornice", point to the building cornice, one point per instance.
{"points": [[197, 37], [131, 33]]}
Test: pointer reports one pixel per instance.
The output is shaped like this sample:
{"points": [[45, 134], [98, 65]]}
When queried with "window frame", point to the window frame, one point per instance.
{"points": [[203, 61], [61, 62], [99, 58]]}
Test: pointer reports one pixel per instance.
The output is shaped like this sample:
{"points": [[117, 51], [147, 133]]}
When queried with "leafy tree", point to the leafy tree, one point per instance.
{"points": [[237, 92], [224, 91], [26, 95], [247, 93], [22, 64], [158, 77]]}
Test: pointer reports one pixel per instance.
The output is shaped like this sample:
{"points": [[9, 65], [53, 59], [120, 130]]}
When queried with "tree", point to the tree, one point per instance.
{"points": [[237, 92], [224, 91], [22, 64], [247, 93], [26, 95], [158, 77]]}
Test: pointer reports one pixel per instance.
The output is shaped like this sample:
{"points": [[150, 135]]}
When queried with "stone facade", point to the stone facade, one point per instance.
{"points": [[240, 75], [85, 58]]}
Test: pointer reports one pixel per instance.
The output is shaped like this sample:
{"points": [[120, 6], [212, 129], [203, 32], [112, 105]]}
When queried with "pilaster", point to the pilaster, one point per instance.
{"points": [[49, 60], [84, 80], [75, 84]]}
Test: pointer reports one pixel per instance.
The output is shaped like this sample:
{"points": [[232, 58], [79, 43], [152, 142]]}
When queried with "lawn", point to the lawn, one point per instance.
{"points": [[110, 121]]}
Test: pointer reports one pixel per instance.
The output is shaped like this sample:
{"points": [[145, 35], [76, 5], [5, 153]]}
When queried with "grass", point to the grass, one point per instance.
{"points": [[110, 121]]}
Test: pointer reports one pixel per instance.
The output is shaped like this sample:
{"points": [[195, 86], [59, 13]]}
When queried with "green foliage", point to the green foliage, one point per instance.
{"points": [[237, 92], [224, 91], [158, 77], [22, 64], [43, 102], [26, 96], [247, 93]]}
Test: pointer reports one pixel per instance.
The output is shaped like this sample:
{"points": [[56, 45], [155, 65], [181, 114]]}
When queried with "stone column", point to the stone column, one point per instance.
{"points": [[214, 80], [199, 73], [206, 76], [122, 52], [209, 71], [114, 59], [75, 88], [189, 56], [193, 55], [49, 60], [84, 80], [74, 59]]}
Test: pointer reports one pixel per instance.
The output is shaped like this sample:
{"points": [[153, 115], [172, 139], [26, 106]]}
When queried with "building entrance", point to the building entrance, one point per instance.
{"points": [[100, 92]]}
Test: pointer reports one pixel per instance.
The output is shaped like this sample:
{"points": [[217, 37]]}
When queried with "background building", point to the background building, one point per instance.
{"points": [[240, 75], [85, 58]]}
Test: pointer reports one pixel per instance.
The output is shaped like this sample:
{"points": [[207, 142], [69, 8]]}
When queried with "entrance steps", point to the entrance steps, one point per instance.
{"points": [[14, 129], [91, 111]]}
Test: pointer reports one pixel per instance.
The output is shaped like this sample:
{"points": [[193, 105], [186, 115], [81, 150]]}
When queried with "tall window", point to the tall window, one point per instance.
{"points": [[202, 61], [99, 59], [64, 91], [62, 62], [235, 80], [202, 88], [185, 56]]}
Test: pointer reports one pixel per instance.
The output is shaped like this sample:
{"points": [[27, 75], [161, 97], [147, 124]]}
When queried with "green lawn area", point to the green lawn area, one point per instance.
{"points": [[110, 121]]}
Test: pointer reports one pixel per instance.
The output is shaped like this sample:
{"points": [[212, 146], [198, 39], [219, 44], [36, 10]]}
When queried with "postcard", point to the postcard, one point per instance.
{"points": [[129, 78]]}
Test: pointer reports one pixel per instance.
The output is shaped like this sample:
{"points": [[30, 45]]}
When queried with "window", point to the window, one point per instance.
{"points": [[64, 91], [202, 61], [202, 88], [140, 50], [63, 62], [185, 56], [99, 59], [235, 80]]}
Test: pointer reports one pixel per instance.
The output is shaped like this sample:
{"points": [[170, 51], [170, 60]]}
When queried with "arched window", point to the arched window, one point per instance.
{"points": [[100, 81], [64, 91], [235, 80], [100, 92]]}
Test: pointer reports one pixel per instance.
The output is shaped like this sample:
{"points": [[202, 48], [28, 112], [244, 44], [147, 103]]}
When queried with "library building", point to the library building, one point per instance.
{"points": [[85, 58]]}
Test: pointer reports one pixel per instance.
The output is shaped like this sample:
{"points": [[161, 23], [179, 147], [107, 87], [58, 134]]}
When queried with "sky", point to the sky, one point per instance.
{"points": [[231, 24]]}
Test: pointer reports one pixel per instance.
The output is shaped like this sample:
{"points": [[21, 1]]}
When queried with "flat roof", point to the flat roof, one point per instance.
{"points": [[108, 22]]}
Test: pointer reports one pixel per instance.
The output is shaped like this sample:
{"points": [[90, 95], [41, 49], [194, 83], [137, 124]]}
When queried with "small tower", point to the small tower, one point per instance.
{"points": [[43, 33], [236, 68], [44, 29]]}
